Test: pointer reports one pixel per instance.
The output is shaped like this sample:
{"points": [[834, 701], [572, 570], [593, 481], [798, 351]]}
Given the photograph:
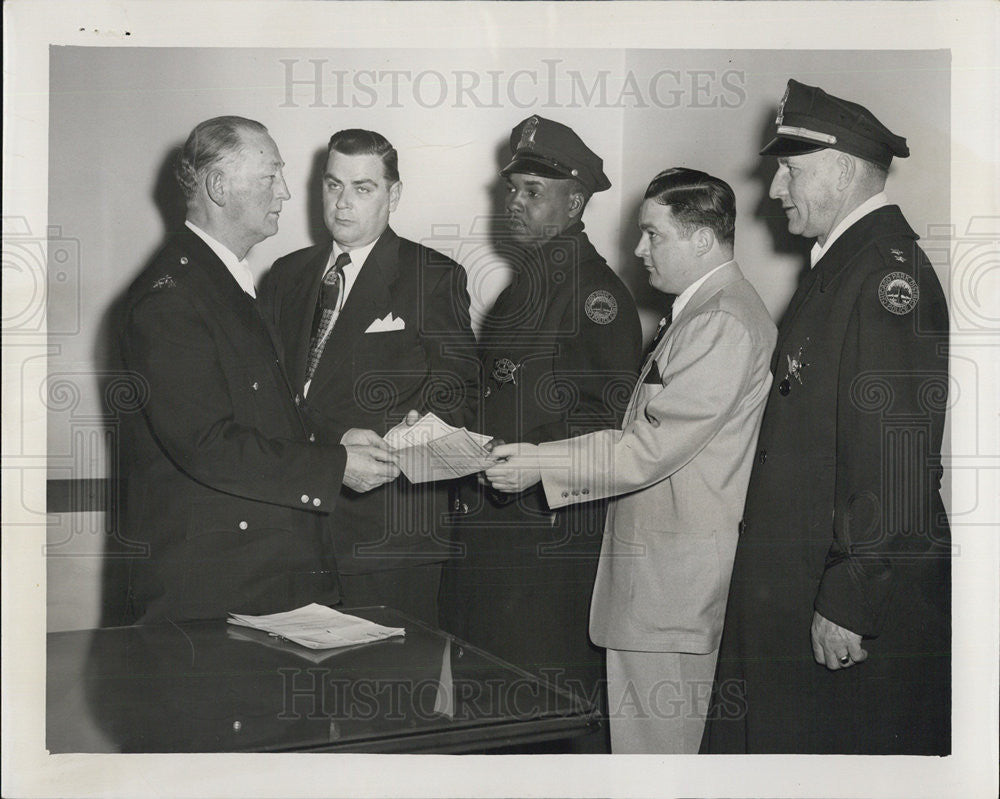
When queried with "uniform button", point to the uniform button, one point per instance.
{"points": [[784, 387], [487, 392], [565, 494], [184, 260], [244, 525], [762, 456], [304, 499], [465, 508], [312, 438], [316, 501], [298, 399], [255, 385]]}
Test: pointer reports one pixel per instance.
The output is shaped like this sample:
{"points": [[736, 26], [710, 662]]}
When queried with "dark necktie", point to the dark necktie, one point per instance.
{"points": [[327, 307], [660, 332]]}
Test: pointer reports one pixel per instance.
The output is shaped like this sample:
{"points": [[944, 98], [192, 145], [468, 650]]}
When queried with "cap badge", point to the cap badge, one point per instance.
{"points": [[898, 293], [505, 371], [601, 307], [527, 141], [781, 107]]}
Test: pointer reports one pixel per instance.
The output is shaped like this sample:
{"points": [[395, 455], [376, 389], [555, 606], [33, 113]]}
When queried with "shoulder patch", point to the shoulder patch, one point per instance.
{"points": [[601, 307], [165, 282], [898, 292]]}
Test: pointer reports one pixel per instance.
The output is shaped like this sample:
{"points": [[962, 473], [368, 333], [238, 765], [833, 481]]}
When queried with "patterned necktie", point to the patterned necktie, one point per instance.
{"points": [[327, 309]]}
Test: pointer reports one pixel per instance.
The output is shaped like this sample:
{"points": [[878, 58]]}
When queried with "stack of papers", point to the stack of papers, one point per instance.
{"points": [[318, 627], [434, 450]]}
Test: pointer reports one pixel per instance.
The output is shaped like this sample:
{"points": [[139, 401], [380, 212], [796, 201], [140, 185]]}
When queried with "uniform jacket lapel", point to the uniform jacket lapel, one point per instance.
{"points": [[887, 221], [209, 267]]}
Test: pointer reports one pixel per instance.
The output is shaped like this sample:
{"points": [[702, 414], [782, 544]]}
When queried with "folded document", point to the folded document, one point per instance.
{"points": [[432, 449], [318, 627]]}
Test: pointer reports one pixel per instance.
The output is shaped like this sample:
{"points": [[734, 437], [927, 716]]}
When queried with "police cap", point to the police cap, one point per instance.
{"points": [[549, 149], [809, 119]]}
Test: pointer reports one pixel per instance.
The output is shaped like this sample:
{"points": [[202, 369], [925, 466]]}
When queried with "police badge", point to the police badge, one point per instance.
{"points": [[505, 371]]}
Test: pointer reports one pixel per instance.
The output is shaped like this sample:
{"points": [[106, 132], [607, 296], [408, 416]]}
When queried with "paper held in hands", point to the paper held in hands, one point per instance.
{"points": [[432, 449], [318, 627]]}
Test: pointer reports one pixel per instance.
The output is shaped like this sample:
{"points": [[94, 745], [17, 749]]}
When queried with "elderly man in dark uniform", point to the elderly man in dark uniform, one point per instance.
{"points": [[837, 631], [226, 482], [559, 353]]}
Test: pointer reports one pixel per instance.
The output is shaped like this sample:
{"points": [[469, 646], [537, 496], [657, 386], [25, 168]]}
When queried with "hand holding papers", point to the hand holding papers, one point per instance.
{"points": [[514, 467], [318, 627], [434, 450]]}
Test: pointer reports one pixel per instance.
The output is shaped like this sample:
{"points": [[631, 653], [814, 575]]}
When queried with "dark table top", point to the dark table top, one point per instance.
{"points": [[214, 687]]}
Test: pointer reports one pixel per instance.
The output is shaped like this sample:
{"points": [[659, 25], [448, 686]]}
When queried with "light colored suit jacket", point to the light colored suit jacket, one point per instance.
{"points": [[678, 470]]}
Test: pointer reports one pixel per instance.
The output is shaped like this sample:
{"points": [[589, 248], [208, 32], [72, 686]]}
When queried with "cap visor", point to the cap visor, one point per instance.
{"points": [[786, 145], [529, 166]]}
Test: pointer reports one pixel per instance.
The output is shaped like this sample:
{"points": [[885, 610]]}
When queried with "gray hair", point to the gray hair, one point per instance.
{"points": [[210, 143]]}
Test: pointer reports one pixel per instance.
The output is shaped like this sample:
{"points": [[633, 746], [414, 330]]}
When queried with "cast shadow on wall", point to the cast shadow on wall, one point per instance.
{"points": [[119, 397]]}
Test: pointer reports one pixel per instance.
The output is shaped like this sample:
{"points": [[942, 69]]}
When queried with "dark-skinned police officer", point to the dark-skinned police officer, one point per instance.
{"points": [[837, 631], [559, 353]]}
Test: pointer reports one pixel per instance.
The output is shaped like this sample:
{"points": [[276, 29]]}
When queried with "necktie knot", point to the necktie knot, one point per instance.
{"points": [[330, 291]]}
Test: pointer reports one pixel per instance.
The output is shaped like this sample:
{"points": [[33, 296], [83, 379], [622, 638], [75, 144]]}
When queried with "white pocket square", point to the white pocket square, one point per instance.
{"points": [[387, 324]]}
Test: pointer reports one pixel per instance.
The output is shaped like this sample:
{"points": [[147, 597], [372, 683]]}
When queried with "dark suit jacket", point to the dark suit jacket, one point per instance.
{"points": [[224, 483], [370, 380]]}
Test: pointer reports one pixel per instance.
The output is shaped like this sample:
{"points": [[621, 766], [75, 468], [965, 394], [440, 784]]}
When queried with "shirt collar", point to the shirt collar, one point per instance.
{"points": [[358, 255], [237, 268], [871, 204], [685, 296]]}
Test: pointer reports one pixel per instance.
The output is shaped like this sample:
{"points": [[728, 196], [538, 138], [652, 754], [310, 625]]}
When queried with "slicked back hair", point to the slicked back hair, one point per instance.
{"points": [[355, 141], [211, 143], [696, 200]]}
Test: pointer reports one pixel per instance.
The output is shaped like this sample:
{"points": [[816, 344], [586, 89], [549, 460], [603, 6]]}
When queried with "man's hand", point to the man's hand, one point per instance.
{"points": [[356, 436], [369, 466], [834, 646], [515, 467]]}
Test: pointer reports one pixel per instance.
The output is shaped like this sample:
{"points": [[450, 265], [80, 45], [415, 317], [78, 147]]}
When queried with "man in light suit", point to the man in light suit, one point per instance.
{"points": [[374, 325], [678, 470], [226, 481]]}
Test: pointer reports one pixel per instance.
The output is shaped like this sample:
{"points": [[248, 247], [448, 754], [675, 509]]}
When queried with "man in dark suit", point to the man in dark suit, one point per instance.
{"points": [[226, 480], [837, 632], [375, 325]]}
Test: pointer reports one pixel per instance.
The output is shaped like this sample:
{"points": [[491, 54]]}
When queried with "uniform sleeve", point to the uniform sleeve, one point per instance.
{"points": [[705, 377], [452, 388], [890, 417], [190, 410], [594, 370]]}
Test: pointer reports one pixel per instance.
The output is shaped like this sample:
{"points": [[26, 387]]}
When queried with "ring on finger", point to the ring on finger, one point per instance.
{"points": [[845, 660]]}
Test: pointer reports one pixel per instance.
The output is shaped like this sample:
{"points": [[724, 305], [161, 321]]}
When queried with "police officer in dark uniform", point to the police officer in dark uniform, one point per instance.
{"points": [[837, 633], [559, 354]]}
